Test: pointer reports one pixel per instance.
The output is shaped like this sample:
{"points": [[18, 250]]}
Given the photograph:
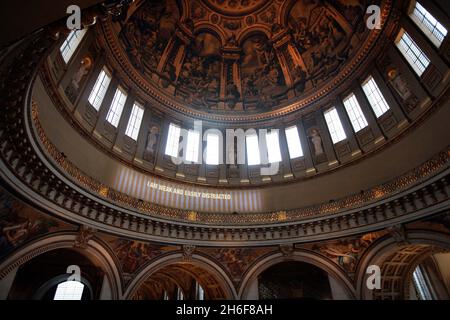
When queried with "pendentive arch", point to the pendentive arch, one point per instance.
{"points": [[416, 246], [252, 31], [176, 258], [208, 27], [315, 259], [94, 250]]}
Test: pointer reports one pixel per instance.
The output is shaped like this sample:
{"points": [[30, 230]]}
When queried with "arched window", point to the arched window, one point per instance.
{"points": [[253, 157], [71, 44], [199, 291], [212, 148], [135, 121], [193, 146], [293, 141], [173, 140], [69, 290], [334, 125], [180, 294], [355, 113], [421, 285], [273, 146], [99, 91], [412, 53], [432, 28], [375, 97], [116, 108]]}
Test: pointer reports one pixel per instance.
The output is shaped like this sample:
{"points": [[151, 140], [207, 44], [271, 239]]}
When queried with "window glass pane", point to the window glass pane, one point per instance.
{"points": [[375, 97], [180, 295], [116, 108], [200, 292], [69, 290], [334, 125], [273, 146], [432, 28], [253, 156], [98, 92], [421, 285], [415, 57], [192, 147], [212, 149], [355, 113], [135, 120], [71, 43], [293, 141], [173, 140]]}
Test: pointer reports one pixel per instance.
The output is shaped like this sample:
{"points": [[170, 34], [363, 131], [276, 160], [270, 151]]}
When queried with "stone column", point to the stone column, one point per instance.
{"points": [[104, 108], [399, 114], [121, 139], [83, 102], [368, 113], [348, 127], [284, 150], [326, 138], [307, 154]]}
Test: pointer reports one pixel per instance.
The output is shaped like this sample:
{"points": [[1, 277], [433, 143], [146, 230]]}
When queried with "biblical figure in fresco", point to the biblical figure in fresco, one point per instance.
{"points": [[147, 32]]}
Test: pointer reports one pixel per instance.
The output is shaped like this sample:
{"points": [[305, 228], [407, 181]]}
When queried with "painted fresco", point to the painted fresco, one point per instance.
{"points": [[147, 32], [200, 75], [262, 77], [134, 254], [203, 58], [20, 223]]}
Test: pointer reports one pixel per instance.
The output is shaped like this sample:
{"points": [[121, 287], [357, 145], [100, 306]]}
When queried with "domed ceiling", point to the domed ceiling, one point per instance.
{"points": [[243, 56]]}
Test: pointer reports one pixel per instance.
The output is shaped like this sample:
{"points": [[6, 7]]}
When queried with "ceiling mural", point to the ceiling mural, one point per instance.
{"points": [[242, 56], [147, 32], [20, 223], [199, 79], [262, 78]]}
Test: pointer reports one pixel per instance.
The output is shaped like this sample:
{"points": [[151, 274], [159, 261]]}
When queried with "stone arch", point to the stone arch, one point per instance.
{"points": [[251, 31], [337, 273], [397, 260], [176, 258], [285, 10], [208, 27], [94, 250]]}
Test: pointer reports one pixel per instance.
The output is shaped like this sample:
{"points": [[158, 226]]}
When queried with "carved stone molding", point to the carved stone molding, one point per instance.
{"points": [[85, 233], [188, 250], [287, 249]]}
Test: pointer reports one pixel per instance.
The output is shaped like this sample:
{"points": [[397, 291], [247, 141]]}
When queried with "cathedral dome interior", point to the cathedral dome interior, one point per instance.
{"points": [[225, 150]]}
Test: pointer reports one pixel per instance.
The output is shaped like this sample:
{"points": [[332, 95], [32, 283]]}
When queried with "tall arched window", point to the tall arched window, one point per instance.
{"points": [[212, 148], [431, 27], [180, 294], [334, 125], [71, 44], [199, 291], [69, 290], [253, 157]]}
